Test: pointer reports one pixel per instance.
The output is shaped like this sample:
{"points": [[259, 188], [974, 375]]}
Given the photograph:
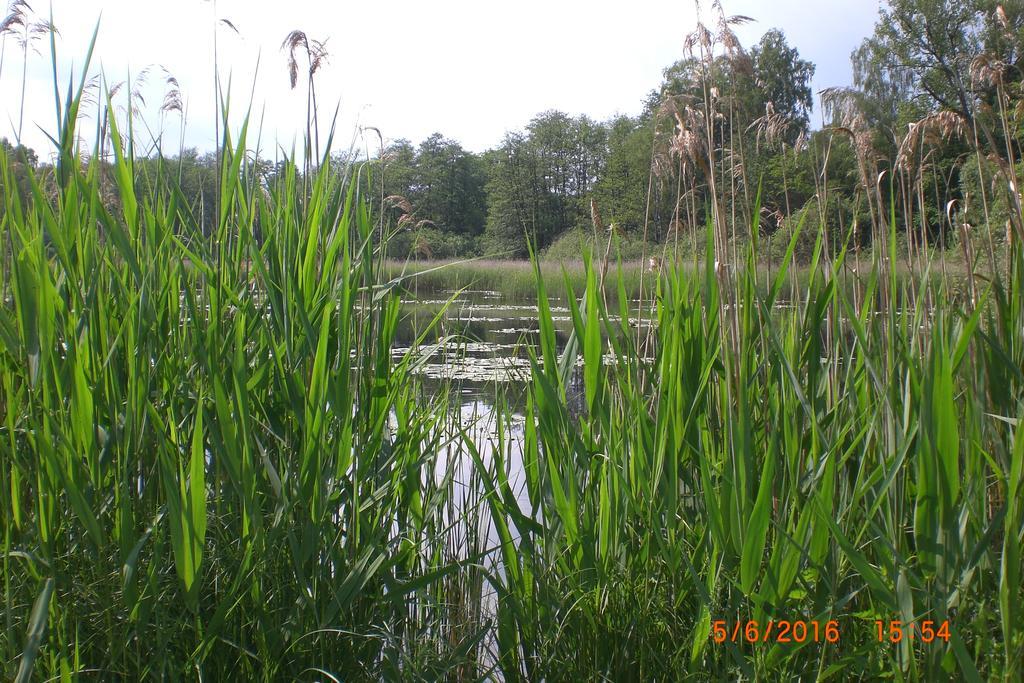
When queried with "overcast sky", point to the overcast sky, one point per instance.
{"points": [[470, 70]]}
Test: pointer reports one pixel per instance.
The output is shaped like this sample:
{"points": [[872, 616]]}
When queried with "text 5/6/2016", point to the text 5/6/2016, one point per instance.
{"points": [[775, 631]]}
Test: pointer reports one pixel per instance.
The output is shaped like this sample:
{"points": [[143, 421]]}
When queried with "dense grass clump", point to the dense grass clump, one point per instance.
{"points": [[212, 464], [513, 279], [215, 467], [824, 461]]}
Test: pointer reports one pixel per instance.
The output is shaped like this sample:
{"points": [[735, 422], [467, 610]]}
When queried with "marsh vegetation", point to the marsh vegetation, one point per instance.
{"points": [[239, 439]]}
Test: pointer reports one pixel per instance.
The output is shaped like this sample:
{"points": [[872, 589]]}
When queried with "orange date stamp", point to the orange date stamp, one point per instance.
{"points": [[814, 631], [775, 631]]}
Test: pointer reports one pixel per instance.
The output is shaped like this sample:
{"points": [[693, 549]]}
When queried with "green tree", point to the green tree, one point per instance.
{"points": [[397, 166], [443, 185], [448, 187], [540, 181], [621, 191], [519, 207], [783, 79], [924, 49]]}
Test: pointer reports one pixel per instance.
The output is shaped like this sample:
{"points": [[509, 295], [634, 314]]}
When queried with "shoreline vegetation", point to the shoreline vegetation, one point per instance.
{"points": [[517, 280], [214, 466]]}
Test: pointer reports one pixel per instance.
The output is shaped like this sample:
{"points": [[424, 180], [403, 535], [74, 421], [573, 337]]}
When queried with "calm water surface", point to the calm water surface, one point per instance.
{"points": [[482, 342], [480, 349]]}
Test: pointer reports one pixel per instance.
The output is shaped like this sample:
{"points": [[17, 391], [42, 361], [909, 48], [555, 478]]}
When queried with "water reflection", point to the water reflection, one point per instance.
{"points": [[480, 345]]}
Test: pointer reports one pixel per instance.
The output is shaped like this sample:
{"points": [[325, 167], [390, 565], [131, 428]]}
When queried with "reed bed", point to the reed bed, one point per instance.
{"points": [[513, 279], [214, 467], [823, 462], [516, 280]]}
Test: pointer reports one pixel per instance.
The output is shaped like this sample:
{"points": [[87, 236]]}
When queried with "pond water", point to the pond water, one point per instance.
{"points": [[480, 351], [481, 343]]}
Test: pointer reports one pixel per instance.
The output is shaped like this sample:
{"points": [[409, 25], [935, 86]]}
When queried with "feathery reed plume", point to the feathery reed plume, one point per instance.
{"points": [[19, 25], [319, 56], [844, 107], [137, 95], [44, 27], [17, 16], [292, 42], [421, 248], [316, 54], [9, 23], [802, 141], [689, 141], [988, 69], [398, 201], [771, 126], [90, 95], [932, 129], [172, 96], [316, 57], [376, 130], [595, 218], [734, 165], [1002, 18]]}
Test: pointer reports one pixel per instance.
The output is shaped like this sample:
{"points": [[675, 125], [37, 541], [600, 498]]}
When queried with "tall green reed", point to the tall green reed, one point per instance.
{"points": [[213, 465], [863, 470]]}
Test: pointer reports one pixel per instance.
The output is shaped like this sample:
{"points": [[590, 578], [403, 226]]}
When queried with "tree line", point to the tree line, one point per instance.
{"points": [[925, 141], [545, 181], [928, 135]]}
